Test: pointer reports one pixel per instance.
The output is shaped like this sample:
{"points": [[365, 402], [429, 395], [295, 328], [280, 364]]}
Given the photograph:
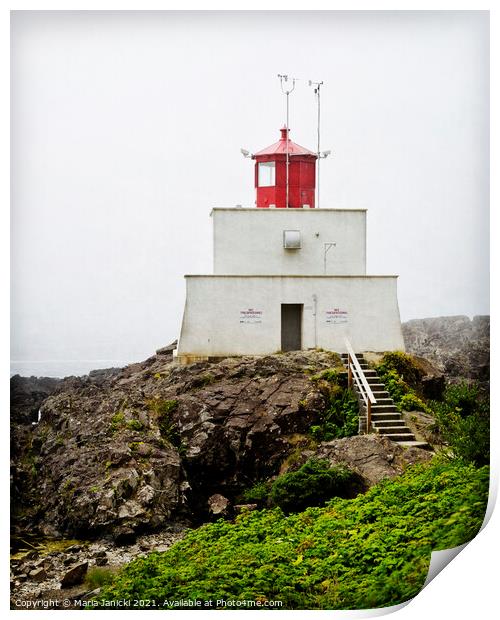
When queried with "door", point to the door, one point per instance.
{"points": [[291, 327]]}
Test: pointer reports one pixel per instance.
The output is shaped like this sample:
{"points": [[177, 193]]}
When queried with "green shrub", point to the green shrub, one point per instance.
{"points": [[330, 374], [311, 485], [340, 417], [372, 551], [404, 365], [258, 494], [463, 421], [464, 397], [411, 402], [396, 387]]}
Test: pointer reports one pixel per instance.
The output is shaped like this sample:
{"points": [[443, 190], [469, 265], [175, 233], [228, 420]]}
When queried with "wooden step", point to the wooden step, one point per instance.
{"points": [[379, 417], [392, 430], [384, 409], [382, 423], [400, 436], [414, 444], [384, 401]]}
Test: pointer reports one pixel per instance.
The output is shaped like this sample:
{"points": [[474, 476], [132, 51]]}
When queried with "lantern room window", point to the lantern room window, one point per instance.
{"points": [[267, 174]]}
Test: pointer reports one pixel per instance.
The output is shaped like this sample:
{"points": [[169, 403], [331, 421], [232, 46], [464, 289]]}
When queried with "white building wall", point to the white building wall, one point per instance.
{"points": [[251, 241], [241, 315]]}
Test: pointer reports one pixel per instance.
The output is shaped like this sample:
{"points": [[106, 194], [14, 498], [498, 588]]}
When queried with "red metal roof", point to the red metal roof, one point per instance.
{"points": [[279, 148]]}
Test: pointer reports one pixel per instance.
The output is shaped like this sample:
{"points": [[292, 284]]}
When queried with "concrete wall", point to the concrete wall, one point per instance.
{"points": [[251, 241], [241, 315]]}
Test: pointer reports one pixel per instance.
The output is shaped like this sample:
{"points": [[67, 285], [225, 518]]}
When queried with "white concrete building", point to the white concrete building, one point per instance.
{"points": [[288, 279]]}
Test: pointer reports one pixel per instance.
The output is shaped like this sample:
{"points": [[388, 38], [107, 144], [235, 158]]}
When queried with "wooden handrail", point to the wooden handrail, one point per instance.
{"points": [[355, 371]]}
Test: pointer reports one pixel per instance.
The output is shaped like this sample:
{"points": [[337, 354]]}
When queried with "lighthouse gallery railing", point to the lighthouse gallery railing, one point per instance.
{"points": [[355, 373]]}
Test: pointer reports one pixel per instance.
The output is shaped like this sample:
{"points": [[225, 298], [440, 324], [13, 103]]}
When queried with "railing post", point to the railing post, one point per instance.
{"points": [[368, 416], [349, 371]]}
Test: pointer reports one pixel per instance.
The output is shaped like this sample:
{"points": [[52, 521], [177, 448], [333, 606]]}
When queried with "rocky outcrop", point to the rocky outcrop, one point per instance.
{"points": [[26, 396], [457, 345], [373, 457], [150, 444]]}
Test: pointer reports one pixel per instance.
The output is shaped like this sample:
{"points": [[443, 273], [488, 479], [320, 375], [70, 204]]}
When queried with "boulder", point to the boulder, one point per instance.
{"points": [[75, 575], [373, 457], [38, 574], [218, 505]]}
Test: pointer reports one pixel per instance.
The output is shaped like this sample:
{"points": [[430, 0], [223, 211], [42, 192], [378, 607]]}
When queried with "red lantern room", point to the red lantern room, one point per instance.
{"points": [[270, 175]]}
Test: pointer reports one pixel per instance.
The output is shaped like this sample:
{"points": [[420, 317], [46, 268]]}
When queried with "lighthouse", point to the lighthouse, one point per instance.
{"points": [[274, 188], [286, 275]]}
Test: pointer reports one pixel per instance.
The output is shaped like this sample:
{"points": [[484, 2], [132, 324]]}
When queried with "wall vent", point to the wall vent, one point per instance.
{"points": [[291, 239]]}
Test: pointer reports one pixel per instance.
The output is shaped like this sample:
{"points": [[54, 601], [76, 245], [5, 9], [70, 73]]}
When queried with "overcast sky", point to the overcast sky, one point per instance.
{"points": [[126, 130]]}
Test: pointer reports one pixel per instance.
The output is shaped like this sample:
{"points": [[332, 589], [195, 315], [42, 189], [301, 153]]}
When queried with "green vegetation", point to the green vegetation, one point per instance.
{"points": [[462, 415], [371, 551], [411, 402], [463, 420], [341, 415], [403, 364], [314, 483], [117, 421], [258, 493], [402, 376], [98, 576], [163, 409], [134, 425]]}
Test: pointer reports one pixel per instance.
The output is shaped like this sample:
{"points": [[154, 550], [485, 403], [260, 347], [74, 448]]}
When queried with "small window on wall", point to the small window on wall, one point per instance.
{"points": [[267, 174], [291, 239]]}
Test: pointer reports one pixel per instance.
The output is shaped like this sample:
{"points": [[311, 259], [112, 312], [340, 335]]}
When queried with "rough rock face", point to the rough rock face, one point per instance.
{"points": [[150, 444], [458, 346], [373, 457], [26, 396]]}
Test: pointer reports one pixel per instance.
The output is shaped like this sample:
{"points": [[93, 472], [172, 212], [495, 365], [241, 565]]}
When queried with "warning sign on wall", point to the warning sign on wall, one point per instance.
{"points": [[250, 315], [336, 316]]}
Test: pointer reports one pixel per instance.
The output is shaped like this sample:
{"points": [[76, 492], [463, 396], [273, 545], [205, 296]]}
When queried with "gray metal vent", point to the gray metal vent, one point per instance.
{"points": [[291, 239]]}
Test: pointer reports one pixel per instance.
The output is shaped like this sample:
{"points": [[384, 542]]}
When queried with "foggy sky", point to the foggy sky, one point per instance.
{"points": [[126, 130]]}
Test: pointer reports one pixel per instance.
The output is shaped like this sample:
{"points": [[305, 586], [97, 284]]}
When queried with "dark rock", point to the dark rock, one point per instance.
{"points": [[168, 350], [423, 426], [124, 536], [99, 554], [107, 459], [101, 561], [26, 396], [38, 574], [75, 575]]}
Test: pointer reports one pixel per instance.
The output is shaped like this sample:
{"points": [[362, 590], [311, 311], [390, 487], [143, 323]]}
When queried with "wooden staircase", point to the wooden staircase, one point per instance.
{"points": [[386, 420]]}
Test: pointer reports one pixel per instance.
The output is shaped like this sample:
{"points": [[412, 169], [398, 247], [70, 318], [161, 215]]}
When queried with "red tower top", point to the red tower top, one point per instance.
{"points": [[270, 175]]}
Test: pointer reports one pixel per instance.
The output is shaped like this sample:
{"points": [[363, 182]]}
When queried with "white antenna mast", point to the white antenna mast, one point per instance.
{"points": [[284, 78], [317, 86]]}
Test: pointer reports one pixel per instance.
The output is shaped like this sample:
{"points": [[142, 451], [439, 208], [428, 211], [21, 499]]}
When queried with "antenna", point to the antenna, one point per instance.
{"points": [[284, 78], [317, 86]]}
